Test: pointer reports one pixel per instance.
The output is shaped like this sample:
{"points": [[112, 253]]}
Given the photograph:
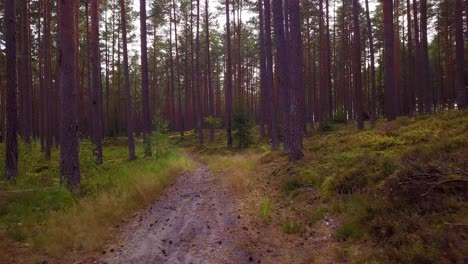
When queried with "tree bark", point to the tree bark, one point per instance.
{"points": [[69, 159], [296, 108], [389, 61], [208, 62], [417, 84], [409, 94], [197, 80], [11, 159], [426, 86], [357, 65], [128, 98], [373, 99], [263, 65], [144, 81], [95, 107], [26, 73], [228, 92], [460, 82], [180, 116], [271, 116], [47, 101], [282, 54]]}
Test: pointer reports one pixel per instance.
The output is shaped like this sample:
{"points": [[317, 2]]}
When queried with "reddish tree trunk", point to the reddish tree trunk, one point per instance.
{"points": [[417, 84], [271, 109], [296, 108], [145, 112], [282, 53], [389, 61], [409, 92], [11, 159], [26, 73], [47, 80], [198, 81], [128, 98], [228, 92], [208, 62], [69, 159], [95, 106], [427, 91], [357, 65], [170, 95], [373, 109], [180, 116], [263, 65], [460, 82]]}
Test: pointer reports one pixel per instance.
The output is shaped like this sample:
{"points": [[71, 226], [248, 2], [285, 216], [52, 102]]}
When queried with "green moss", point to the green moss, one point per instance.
{"points": [[265, 209], [292, 227], [27, 206], [316, 214], [292, 184], [367, 178], [350, 230]]}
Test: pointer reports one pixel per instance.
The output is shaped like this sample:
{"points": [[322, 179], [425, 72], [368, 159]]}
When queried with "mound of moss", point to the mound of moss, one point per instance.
{"points": [[402, 186]]}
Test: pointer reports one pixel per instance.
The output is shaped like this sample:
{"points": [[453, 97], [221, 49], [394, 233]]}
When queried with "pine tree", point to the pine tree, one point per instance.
{"points": [[144, 81], [128, 98], [11, 159], [69, 159], [95, 92], [389, 61]]}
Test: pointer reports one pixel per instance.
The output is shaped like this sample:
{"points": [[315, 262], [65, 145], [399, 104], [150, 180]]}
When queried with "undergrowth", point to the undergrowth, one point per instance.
{"points": [[398, 189], [400, 186], [39, 212]]}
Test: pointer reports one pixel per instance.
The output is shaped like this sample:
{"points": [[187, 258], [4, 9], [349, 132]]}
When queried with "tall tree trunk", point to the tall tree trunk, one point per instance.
{"points": [[208, 62], [357, 65], [187, 79], [86, 110], [180, 116], [373, 109], [397, 57], [107, 115], [41, 77], [47, 79], [268, 85], [128, 98], [228, 92], [389, 61], [263, 65], [170, 95], [409, 95], [197, 80], [460, 82], [323, 80], [69, 159], [427, 91], [296, 109], [145, 112], [11, 159], [417, 85], [26, 73], [282, 53], [329, 91], [95, 107]]}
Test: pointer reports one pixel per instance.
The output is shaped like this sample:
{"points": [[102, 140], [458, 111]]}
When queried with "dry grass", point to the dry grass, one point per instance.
{"points": [[238, 169], [88, 225]]}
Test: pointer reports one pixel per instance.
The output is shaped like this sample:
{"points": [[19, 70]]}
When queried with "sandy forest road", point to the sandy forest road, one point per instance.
{"points": [[197, 220]]}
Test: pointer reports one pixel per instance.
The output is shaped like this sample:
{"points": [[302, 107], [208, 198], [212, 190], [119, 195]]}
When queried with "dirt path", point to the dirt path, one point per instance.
{"points": [[197, 220]]}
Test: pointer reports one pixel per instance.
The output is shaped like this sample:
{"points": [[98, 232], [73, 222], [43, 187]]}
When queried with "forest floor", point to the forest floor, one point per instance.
{"points": [[197, 220], [393, 193], [203, 218]]}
